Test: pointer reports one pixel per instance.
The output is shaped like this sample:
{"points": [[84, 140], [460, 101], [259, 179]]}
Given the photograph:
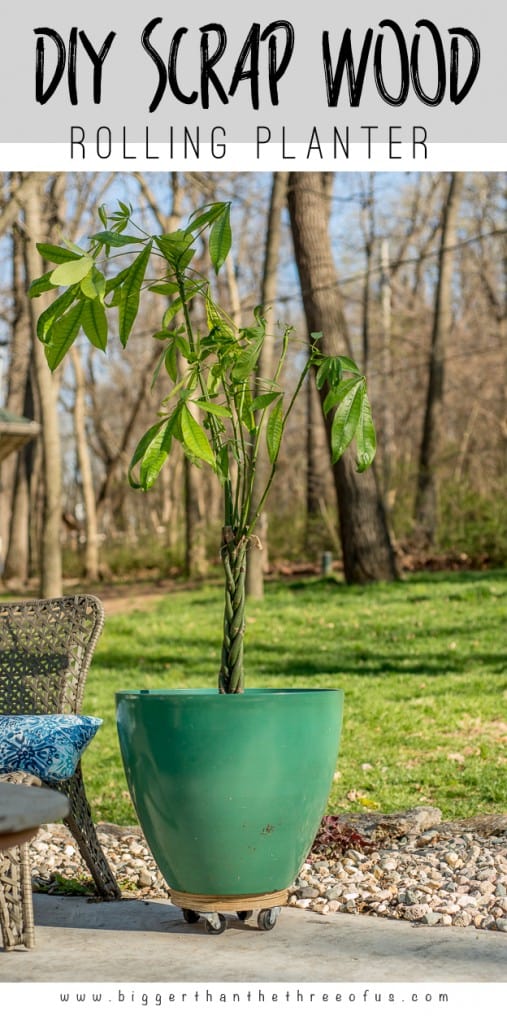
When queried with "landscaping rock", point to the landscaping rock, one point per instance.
{"points": [[458, 878]]}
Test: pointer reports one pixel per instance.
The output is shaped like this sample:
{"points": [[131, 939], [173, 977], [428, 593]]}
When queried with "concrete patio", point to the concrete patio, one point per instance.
{"points": [[139, 941]]}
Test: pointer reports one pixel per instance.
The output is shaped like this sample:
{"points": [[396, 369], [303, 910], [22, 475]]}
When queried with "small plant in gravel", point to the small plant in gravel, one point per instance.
{"points": [[336, 836], [60, 885]]}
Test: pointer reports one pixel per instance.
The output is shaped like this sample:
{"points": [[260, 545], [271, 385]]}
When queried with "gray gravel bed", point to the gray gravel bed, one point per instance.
{"points": [[411, 867]]}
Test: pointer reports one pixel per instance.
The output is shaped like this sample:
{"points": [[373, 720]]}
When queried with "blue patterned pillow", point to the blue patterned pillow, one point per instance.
{"points": [[48, 746]]}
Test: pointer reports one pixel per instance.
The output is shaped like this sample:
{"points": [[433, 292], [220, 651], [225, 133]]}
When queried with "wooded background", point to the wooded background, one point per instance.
{"points": [[407, 273]]}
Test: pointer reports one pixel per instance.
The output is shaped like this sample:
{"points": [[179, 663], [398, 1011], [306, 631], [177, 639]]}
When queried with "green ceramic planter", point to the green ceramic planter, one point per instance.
{"points": [[229, 789]]}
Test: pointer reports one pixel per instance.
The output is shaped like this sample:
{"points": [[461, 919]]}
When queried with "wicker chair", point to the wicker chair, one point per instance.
{"points": [[46, 646], [16, 907]]}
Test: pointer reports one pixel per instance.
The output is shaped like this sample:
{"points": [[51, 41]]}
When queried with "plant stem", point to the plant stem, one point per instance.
{"points": [[249, 527], [233, 553], [191, 341]]}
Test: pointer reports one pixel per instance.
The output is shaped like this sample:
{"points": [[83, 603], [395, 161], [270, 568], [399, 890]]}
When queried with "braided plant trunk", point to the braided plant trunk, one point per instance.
{"points": [[233, 554]]}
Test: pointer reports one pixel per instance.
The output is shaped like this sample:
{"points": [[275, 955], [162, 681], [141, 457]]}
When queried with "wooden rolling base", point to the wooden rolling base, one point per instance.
{"points": [[209, 904]]}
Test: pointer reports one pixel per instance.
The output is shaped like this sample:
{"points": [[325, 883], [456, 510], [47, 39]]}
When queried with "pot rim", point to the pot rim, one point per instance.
{"points": [[208, 693]]}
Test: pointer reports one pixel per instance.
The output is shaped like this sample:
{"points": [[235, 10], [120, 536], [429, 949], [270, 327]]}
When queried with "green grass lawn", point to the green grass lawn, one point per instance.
{"points": [[423, 664]]}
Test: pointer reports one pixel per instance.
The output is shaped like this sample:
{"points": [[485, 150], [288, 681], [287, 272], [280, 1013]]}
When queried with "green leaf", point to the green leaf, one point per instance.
{"points": [[348, 365], [332, 368], [220, 239], [41, 285], [222, 469], [336, 395], [130, 293], [94, 285], [323, 372], [205, 215], [246, 361], [195, 438], [151, 452], [57, 253], [116, 239], [73, 271], [243, 403], [346, 420], [182, 343], [365, 437], [114, 282], [155, 457], [94, 323], [170, 312], [216, 321], [176, 248], [158, 367], [213, 380], [63, 334], [164, 288], [214, 408], [274, 431], [50, 315], [171, 361], [103, 214], [262, 401]]}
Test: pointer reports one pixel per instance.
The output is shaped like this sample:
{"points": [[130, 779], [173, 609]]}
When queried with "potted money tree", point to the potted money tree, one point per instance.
{"points": [[229, 784]]}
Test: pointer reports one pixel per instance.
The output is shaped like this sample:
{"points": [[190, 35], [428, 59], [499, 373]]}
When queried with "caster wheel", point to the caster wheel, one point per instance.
{"points": [[244, 915], [266, 919], [190, 916], [215, 926]]}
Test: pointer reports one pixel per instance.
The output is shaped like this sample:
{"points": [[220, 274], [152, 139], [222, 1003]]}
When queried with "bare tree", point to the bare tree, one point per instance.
{"points": [[35, 200], [17, 473], [426, 515], [36, 209], [366, 548], [91, 567], [389, 446], [367, 209], [490, 263], [258, 552]]}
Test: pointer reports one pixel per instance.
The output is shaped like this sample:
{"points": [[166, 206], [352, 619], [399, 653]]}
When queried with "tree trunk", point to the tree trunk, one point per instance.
{"points": [[426, 514], [196, 562], [16, 569], [258, 552], [366, 548], [388, 447], [312, 474], [47, 388], [91, 572], [368, 222], [18, 556], [14, 519]]}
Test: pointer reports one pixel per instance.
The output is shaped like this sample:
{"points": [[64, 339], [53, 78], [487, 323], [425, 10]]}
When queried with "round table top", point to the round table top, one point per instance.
{"points": [[26, 807]]}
